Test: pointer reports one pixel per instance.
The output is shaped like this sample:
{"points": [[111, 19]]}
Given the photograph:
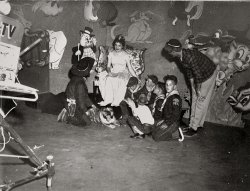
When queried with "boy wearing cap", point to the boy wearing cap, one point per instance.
{"points": [[86, 47], [167, 128], [142, 120], [132, 87], [201, 72]]}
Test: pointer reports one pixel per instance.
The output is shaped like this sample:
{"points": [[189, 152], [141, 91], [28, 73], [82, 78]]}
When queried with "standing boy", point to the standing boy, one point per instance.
{"points": [[201, 73]]}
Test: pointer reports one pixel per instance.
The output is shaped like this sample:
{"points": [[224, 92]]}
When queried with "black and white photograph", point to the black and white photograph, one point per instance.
{"points": [[124, 95]]}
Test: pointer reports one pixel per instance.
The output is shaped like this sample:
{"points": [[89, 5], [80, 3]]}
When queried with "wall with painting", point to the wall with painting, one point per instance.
{"points": [[146, 24]]}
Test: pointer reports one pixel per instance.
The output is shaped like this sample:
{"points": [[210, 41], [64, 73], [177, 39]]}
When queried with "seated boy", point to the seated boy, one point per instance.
{"points": [[132, 87], [148, 89], [142, 121], [167, 128], [157, 106]]}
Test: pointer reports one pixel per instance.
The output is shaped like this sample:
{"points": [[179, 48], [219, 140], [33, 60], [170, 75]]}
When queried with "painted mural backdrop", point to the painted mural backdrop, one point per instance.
{"points": [[48, 7], [183, 10], [103, 12], [139, 30]]}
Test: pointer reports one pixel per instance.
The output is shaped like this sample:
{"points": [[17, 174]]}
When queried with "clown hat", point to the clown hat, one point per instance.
{"points": [[88, 30]]}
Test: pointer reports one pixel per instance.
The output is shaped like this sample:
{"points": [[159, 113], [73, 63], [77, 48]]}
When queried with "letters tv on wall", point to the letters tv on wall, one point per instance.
{"points": [[11, 33]]}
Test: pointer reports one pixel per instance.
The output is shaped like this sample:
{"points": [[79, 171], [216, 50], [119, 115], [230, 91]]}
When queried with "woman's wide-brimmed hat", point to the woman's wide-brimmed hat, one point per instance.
{"points": [[83, 67]]}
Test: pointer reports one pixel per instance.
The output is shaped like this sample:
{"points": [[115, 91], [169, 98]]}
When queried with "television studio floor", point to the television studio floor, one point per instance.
{"points": [[96, 158]]}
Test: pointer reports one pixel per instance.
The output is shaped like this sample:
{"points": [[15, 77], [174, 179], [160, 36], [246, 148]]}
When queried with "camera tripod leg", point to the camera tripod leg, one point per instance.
{"points": [[19, 140], [51, 172], [45, 168]]}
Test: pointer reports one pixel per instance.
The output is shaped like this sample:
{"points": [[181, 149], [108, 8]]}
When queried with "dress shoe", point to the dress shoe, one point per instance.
{"points": [[190, 133], [199, 128], [103, 103], [186, 129]]}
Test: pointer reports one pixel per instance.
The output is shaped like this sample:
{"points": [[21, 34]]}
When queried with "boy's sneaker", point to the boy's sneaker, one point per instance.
{"points": [[63, 115], [190, 133]]}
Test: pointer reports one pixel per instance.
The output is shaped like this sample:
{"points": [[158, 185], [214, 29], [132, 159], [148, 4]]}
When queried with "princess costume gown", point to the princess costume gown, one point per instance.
{"points": [[113, 89]]}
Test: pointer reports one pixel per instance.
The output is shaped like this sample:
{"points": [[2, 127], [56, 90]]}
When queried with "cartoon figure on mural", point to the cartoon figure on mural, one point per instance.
{"points": [[48, 7], [199, 9], [5, 7], [57, 44], [106, 13], [139, 30], [88, 11], [223, 49], [231, 60], [179, 11], [238, 61], [103, 12]]}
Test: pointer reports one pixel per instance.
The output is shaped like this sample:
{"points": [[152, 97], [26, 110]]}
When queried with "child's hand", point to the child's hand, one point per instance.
{"points": [[112, 74], [130, 102], [78, 52], [94, 41], [160, 122]]}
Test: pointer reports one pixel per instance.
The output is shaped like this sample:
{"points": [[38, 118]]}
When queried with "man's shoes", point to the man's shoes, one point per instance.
{"points": [[137, 136], [186, 129], [190, 133]]}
